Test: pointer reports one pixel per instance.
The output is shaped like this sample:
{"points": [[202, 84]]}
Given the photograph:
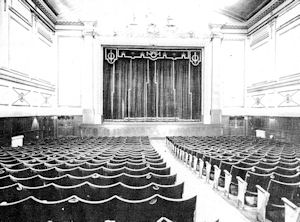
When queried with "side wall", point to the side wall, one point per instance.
{"points": [[30, 64], [273, 68], [271, 77], [27, 65]]}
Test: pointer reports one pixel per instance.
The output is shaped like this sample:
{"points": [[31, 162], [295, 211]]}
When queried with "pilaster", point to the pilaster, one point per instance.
{"points": [[273, 45], [216, 41], [90, 81], [4, 34]]}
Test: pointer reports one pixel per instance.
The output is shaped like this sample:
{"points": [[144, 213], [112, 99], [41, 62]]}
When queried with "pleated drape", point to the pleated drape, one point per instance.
{"points": [[142, 88], [166, 91], [137, 88]]}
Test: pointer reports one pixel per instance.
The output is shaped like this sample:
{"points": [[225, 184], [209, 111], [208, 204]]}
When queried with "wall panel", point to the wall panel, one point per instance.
{"points": [[260, 63], [273, 86], [27, 69], [70, 71], [288, 46], [20, 46], [233, 65]]}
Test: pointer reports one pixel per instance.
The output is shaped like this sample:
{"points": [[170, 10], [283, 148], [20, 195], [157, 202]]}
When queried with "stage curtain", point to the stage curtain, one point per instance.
{"points": [[142, 88]]}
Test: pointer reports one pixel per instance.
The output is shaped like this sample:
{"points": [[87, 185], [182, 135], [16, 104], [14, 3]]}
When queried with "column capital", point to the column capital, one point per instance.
{"points": [[89, 28], [216, 31]]}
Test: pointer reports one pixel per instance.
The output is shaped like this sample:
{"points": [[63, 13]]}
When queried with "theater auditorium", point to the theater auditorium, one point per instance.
{"points": [[150, 111]]}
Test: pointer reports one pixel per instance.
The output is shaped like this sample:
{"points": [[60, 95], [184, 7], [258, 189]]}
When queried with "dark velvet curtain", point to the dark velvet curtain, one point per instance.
{"points": [[137, 88], [182, 89], [120, 95], [165, 88], [151, 89], [144, 88], [196, 91], [107, 88]]}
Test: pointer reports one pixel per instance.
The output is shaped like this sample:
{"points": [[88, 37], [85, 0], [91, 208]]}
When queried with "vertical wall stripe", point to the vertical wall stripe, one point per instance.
{"points": [[190, 93], [174, 88], [129, 88], [112, 92], [156, 82]]}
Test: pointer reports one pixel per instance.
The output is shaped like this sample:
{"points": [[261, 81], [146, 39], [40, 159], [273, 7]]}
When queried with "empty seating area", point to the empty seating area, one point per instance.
{"points": [[256, 173], [90, 179]]}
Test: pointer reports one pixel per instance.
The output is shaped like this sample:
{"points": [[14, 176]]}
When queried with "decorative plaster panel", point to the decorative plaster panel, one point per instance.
{"points": [[20, 98]]}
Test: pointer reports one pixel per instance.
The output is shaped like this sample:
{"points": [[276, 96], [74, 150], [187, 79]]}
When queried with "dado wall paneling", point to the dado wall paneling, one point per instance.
{"points": [[27, 62], [273, 68]]}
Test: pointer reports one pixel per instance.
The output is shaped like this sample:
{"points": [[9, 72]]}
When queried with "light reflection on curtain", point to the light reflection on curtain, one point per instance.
{"points": [[120, 95], [151, 89], [165, 88], [182, 89], [137, 88], [107, 82]]}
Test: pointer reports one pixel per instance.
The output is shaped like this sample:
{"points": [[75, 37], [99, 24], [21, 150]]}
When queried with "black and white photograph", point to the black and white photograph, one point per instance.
{"points": [[149, 111]]}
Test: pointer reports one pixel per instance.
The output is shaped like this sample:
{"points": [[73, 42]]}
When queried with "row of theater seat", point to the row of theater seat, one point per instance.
{"points": [[259, 172], [78, 171], [88, 191], [96, 179], [90, 179]]}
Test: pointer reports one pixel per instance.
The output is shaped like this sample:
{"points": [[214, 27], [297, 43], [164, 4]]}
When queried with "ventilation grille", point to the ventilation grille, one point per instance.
{"points": [[260, 36]]}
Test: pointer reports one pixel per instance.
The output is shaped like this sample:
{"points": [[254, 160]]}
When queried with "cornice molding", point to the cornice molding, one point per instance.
{"points": [[264, 12], [256, 18], [46, 10], [282, 82], [73, 23], [13, 76], [42, 12], [234, 26]]}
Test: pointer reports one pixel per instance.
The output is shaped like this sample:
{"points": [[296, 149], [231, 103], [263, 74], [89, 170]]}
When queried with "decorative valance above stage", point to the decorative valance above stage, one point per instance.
{"points": [[113, 54], [154, 84]]}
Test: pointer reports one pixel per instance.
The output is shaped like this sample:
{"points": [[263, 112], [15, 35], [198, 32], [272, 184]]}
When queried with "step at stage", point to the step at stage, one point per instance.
{"points": [[151, 129]]}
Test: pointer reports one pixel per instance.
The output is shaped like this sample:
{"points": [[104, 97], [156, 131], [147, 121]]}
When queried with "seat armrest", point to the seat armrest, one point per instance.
{"points": [[217, 173], [228, 178], [201, 165], [227, 173], [291, 211], [262, 201], [289, 203], [207, 169], [242, 188], [262, 190], [239, 179]]}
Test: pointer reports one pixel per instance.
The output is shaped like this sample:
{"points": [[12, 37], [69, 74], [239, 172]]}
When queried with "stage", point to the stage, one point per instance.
{"points": [[151, 129]]}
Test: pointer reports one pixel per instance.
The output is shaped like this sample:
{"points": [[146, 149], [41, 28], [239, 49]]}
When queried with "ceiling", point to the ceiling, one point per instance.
{"points": [[185, 18], [245, 9], [240, 9]]}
